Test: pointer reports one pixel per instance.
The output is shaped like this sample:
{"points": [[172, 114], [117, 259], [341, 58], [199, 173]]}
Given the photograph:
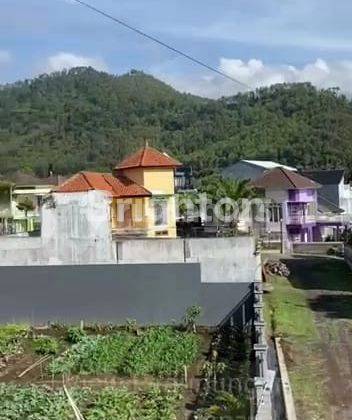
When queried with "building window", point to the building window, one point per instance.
{"points": [[275, 213], [160, 212]]}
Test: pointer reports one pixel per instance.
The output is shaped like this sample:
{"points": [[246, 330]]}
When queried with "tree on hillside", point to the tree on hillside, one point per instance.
{"points": [[85, 119]]}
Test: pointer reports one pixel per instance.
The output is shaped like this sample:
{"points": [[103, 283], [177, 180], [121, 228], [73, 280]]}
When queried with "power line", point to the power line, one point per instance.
{"points": [[162, 43]]}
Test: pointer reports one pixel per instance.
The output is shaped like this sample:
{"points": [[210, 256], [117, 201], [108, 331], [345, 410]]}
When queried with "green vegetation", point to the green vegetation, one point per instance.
{"points": [[84, 119], [288, 312], [290, 316], [217, 188], [192, 315], [75, 334], [45, 345], [160, 351], [226, 406], [228, 368], [10, 338], [40, 403]]}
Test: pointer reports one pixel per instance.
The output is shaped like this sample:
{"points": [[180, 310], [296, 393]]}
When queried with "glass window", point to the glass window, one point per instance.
{"points": [[275, 213], [160, 212]]}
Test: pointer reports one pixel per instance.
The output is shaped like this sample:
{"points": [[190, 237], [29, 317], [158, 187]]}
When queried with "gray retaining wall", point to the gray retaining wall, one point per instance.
{"points": [[149, 293], [316, 248]]}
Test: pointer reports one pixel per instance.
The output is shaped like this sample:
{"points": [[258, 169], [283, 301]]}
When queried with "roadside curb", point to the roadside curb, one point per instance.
{"points": [[285, 382]]}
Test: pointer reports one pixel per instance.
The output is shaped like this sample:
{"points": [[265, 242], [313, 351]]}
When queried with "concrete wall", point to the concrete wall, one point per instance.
{"points": [[348, 255], [20, 251], [149, 293], [75, 230], [230, 260], [316, 248], [150, 251]]}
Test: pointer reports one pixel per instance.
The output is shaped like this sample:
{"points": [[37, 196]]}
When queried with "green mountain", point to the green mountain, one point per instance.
{"points": [[84, 119]]}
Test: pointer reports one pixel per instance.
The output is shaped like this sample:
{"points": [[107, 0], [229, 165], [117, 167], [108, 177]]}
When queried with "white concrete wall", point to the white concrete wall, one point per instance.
{"points": [[229, 260], [12, 243], [76, 229], [224, 259], [150, 251], [20, 251]]}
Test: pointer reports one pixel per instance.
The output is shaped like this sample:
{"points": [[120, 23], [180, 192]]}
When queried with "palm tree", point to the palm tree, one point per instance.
{"points": [[218, 188]]}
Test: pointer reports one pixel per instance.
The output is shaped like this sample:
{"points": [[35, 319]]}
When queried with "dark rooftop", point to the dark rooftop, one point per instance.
{"points": [[325, 176], [22, 179], [327, 206], [283, 179]]}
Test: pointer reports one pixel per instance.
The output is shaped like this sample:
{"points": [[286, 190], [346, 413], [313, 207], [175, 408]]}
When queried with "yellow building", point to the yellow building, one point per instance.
{"points": [[142, 193], [154, 171]]}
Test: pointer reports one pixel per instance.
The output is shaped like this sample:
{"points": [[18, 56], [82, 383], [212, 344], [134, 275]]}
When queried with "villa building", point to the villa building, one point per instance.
{"points": [[292, 208], [21, 199], [141, 191], [335, 193]]}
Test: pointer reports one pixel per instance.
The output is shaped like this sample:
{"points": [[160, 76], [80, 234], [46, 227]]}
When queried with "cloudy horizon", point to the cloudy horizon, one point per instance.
{"points": [[261, 43]]}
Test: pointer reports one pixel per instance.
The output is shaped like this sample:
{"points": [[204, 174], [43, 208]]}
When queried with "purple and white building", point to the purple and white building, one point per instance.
{"points": [[292, 209]]}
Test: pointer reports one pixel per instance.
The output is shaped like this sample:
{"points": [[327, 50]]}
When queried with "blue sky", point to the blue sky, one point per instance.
{"points": [[257, 41]]}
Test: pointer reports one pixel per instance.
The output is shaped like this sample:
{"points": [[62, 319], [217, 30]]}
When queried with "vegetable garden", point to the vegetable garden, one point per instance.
{"points": [[111, 373], [124, 373]]}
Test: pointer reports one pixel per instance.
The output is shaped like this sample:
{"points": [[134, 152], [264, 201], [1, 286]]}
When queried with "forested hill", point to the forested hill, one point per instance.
{"points": [[84, 119]]}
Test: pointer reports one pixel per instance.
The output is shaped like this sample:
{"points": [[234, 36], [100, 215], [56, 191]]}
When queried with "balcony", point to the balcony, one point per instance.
{"points": [[301, 213], [300, 219]]}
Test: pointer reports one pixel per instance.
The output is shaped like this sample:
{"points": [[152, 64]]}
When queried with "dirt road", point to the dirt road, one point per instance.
{"points": [[327, 285]]}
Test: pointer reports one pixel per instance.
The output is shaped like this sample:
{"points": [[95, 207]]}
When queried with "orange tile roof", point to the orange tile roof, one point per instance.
{"points": [[148, 157], [120, 186]]}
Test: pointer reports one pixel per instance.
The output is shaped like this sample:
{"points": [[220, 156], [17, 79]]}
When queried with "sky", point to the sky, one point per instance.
{"points": [[259, 42]]}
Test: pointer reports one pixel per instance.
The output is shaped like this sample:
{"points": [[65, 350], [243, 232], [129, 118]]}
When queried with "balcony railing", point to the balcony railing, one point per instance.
{"points": [[300, 219]]}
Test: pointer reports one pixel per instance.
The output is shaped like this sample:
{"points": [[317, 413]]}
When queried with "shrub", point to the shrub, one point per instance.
{"points": [[10, 337], [45, 345], [75, 335], [192, 315]]}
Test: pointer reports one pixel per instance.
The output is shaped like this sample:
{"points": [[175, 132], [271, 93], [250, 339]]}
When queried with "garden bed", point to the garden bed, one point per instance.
{"points": [[123, 372], [152, 369]]}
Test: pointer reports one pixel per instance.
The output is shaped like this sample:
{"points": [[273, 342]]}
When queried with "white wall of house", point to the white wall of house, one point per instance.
{"points": [[345, 197], [277, 197], [76, 229]]}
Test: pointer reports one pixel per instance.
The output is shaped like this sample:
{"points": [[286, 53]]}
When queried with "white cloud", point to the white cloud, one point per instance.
{"points": [[65, 61], [256, 73], [5, 57], [313, 24]]}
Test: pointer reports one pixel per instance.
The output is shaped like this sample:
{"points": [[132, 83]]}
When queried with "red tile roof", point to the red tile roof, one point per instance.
{"points": [[283, 179], [120, 186], [148, 157]]}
